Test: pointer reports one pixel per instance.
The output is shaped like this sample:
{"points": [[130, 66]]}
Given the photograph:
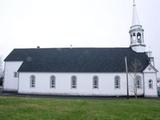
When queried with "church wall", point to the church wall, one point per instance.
{"points": [[10, 81], [84, 84]]}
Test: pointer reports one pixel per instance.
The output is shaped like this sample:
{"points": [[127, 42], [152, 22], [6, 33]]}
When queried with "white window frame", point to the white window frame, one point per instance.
{"points": [[52, 81], [32, 81], [73, 82], [95, 82], [15, 74], [150, 84], [117, 82], [138, 82]]}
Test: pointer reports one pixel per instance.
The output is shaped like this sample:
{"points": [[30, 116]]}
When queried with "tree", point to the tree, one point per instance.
{"points": [[136, 67]]}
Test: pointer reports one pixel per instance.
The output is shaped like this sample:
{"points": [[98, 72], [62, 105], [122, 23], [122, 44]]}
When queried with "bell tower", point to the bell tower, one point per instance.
{"points": [[136, 33]]}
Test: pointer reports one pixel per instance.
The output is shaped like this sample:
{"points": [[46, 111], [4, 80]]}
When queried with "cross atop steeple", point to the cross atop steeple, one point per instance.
{"points": [[135, 19]]}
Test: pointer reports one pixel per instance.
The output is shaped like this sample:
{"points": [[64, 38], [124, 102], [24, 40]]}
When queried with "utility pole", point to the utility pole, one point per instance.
{"points": [[126, 66]]}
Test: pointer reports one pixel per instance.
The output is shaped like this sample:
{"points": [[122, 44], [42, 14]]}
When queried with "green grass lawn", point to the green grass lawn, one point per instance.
{"points": [[26, 108]]}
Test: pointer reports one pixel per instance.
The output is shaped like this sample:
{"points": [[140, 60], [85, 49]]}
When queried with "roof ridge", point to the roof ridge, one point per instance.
{"points": [[73, 48]]}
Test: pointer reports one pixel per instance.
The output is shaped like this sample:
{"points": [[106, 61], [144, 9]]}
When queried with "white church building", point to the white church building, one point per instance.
{"points": [[84, 71]]}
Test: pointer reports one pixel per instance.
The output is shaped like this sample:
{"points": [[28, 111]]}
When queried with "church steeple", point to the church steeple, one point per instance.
{"points": [[136, 32], [135, 19]]}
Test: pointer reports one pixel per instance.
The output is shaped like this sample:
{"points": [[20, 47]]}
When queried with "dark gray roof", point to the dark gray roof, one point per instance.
{"points": [[77, 59]]}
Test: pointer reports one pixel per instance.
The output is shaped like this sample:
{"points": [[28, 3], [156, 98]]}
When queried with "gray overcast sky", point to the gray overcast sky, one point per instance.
{"points": [[82, 23]]}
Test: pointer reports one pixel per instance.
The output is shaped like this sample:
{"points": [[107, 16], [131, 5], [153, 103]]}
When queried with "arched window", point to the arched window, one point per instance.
{"points": [[16, 74], [117, 82], [134, 34], [32, 81], [73, 82], [138, 82], [139, 37], [52, 81], [150, 84], [95, 82]]}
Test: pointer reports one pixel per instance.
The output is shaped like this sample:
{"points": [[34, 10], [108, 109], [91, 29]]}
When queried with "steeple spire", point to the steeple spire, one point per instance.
{"points": [[135, 19]]}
